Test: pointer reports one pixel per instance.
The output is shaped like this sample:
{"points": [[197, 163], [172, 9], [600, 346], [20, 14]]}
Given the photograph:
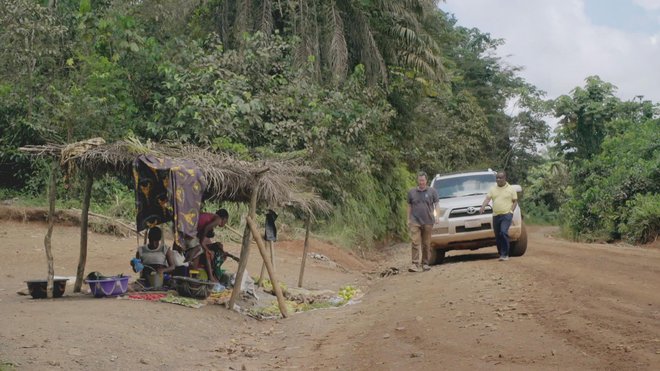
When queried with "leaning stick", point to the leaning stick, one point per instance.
{"points": [[271, 272], [130, 228]]}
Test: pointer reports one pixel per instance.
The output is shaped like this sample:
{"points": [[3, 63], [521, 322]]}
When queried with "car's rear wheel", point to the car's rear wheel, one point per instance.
{"points": [[518, 248], [437, 256]]}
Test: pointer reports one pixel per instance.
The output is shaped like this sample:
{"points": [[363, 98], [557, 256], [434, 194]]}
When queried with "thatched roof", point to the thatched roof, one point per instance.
{"points": [[278, 182]]}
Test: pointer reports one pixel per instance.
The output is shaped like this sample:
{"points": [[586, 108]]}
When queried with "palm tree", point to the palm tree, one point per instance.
{"points": [[340, 34]]}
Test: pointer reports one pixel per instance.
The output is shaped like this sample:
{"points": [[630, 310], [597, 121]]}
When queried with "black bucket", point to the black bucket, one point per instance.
{"points": [[37, 288]]}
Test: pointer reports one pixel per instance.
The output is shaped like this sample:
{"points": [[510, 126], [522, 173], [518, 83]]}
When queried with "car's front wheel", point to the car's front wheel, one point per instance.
{"points": [[437, 256], [518, 248]]}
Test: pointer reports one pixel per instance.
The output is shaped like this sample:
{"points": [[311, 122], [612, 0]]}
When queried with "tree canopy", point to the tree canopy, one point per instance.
{"points": [[369, 91]]}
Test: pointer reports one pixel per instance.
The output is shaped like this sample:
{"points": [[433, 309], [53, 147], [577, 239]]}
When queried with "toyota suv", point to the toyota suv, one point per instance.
{"points": [[458, 224]]}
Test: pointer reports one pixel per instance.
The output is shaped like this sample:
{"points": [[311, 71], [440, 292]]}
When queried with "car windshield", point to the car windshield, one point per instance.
{"points": [[464, 185]]}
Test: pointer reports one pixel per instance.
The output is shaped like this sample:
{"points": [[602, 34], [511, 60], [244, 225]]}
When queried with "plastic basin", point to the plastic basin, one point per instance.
{"points": [[37, 288], [193, 288], [110, 286]]}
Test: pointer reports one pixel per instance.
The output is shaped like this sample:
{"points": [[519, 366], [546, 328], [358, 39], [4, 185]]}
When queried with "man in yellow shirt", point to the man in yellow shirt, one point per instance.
{"points": [[505, 200]]}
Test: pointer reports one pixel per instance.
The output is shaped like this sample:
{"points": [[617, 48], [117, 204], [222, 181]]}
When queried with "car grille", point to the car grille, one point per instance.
{"points": [[469, 211], [462, 229]]}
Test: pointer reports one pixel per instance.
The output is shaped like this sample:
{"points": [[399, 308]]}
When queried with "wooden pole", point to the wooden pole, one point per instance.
{"points": [[305, 249], [245, 251], [116, 221], [234, 231], [271, 272], [52, 192], [260, 282], [84, 221]]}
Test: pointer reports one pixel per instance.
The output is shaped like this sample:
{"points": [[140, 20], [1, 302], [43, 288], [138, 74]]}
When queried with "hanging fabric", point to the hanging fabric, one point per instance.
{"points": [[271, 229], [168, 190]]}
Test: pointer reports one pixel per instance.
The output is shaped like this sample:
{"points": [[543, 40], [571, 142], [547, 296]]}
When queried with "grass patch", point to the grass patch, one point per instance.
{"points": [[7, 366]]}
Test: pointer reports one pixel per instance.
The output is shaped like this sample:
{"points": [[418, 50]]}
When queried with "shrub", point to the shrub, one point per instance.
{"points": [[642, 224]]}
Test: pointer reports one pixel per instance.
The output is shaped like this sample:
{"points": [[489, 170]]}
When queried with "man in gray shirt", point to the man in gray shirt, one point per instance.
{"points": [[421, 203]]}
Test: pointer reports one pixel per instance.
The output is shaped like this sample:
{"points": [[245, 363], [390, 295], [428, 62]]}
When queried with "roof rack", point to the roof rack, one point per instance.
{"points": [[489, 170]]}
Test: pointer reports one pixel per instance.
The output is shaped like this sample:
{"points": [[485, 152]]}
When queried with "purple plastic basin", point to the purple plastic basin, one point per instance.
{"points": [[111, 286]]}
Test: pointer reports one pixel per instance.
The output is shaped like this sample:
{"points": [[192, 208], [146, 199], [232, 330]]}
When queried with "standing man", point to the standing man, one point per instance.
{"points": [[421, 203], [505, 200]]}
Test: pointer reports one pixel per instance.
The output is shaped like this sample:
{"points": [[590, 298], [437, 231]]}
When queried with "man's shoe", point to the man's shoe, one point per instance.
{"points": [[426, 268], [504, 258], [501, 258], [414, 269]]}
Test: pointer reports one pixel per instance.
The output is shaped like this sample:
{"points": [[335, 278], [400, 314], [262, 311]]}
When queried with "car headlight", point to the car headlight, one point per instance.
{"points": [[438, 213]]}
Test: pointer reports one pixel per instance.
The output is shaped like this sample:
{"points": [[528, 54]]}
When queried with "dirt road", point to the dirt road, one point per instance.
{"points": [[561, 306]]}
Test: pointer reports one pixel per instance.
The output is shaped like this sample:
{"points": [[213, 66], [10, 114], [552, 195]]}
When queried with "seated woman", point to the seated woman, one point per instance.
{"points": [[180, 264], [155, 257]]}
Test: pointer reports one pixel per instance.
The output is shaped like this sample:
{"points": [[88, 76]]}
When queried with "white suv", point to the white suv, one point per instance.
{"points": [[458, 224]]}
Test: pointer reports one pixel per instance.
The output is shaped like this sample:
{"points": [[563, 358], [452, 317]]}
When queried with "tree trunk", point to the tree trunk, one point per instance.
{"points": [[84, 219], [52, 192]]}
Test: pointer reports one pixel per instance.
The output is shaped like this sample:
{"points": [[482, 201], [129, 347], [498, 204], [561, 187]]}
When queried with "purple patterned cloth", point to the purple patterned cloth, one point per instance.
{"points": [[168, 190]]}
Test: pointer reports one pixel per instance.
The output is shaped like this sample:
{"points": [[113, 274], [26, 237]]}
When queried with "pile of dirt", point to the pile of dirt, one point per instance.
{"points": [[37, 214], [66, 217]]}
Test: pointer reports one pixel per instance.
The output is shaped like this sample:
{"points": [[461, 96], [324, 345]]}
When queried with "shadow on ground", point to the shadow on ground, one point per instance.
{"points": [[468, 257]]}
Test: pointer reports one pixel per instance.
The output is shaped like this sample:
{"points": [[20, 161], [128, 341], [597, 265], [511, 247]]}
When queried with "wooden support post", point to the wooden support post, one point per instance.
{"points": [[234, 231], [305, 249], [271, 272], [84, 221], [245, 252], [113, 220], [260, 282], [52, 192]]}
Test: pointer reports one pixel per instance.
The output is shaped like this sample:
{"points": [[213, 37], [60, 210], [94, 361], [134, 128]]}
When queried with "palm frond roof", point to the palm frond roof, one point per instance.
{"points": [[279, 182]]}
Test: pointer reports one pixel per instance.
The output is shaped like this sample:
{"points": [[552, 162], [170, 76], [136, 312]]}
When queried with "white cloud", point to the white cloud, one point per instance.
{"points": [[648, 4], [559, 46]]}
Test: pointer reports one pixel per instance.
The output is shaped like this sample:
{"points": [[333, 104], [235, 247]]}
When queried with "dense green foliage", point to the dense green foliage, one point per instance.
{"points": [[604, 185], [619, 185], [369, 91]]}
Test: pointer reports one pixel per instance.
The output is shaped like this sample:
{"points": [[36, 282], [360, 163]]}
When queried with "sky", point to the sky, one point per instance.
{"points": [[561, 42]]}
